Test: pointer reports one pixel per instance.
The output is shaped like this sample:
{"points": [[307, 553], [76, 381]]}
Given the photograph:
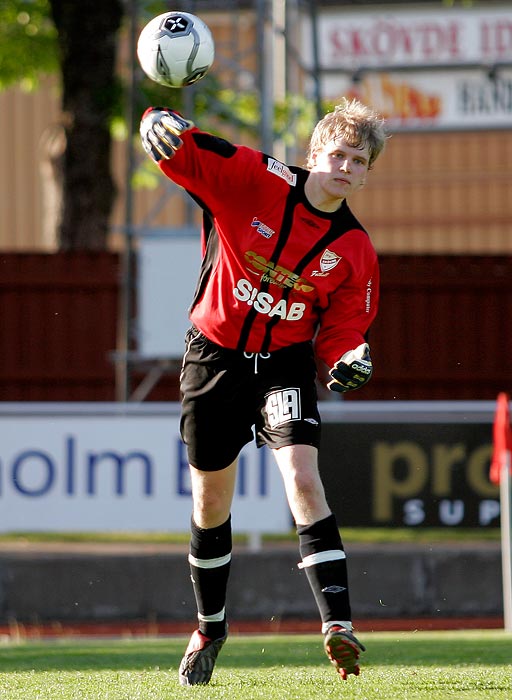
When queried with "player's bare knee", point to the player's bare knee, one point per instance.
{"points": [[211, 510], [307, 483]]}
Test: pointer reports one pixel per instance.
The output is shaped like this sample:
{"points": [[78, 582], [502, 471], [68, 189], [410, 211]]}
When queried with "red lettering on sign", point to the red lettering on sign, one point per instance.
{"points": [[388, 41]]}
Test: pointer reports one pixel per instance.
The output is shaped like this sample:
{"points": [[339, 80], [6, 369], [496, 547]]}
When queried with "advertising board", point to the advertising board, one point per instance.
{"points": [[430, 68], [410, 464], [123, 467], [87, 468]]}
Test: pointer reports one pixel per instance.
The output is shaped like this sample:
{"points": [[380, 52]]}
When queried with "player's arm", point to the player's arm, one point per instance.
{"points": [[160, 132], [341, 340]]}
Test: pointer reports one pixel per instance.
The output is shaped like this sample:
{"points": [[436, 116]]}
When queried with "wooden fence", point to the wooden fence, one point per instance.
{"points": [[443, 331]]}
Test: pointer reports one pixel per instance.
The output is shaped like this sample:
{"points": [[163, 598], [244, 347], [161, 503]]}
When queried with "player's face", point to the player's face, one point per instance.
{"points": [[339, 170]]}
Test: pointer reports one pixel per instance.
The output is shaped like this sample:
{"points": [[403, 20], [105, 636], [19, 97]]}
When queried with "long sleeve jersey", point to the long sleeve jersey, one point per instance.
{"points": [[275, 270]]}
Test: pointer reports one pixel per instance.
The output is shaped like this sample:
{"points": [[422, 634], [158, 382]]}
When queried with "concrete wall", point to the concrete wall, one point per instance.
{"points": [[387, 581]]}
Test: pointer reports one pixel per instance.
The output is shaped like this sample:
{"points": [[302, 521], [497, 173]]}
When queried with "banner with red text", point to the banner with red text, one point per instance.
{"points": [[443, 68]]}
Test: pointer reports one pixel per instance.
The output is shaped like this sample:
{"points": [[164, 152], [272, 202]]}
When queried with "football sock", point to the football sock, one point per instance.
{"points": [[324, 561], [210, 561]]}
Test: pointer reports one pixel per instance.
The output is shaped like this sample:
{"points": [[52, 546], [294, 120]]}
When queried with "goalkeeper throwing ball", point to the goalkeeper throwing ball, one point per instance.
{"points": [[287, 271]]}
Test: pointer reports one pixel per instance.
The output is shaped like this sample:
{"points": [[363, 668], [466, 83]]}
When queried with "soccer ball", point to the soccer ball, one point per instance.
{"points": [[176, 49]]}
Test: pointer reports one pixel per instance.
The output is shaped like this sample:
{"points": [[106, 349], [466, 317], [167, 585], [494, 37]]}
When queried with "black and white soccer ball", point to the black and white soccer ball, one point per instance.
{"points": [[176, 49]]}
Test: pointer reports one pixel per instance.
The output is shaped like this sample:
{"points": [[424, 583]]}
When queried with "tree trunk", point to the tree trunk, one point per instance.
{"points": [[87, 44]]}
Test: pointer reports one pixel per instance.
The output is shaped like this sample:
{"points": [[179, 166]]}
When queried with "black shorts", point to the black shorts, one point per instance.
{"points": [[227, 393]]}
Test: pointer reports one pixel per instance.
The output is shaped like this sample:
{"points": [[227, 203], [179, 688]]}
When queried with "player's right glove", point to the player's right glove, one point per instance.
{"points": [[352, 370], [160, 131]]}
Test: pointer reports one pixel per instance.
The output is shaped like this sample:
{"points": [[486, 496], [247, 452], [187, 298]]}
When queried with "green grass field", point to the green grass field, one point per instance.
{"points": [[372, 535], [410, 666]]}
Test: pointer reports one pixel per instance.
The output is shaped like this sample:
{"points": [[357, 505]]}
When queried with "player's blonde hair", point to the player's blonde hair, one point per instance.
{"points": [[353, 121]]}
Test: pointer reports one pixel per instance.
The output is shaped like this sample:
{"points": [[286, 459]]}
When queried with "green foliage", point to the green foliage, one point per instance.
{"points": [[28, 43], [464, 3], [28, 49], [298, 112]]}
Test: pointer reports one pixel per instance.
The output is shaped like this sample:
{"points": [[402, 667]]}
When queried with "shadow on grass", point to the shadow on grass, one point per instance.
{"points": [[400, 649]]}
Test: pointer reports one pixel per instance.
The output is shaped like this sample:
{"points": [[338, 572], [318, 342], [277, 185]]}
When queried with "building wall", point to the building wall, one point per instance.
{"points": [[441, 193], [26, 119], [429, 193]]}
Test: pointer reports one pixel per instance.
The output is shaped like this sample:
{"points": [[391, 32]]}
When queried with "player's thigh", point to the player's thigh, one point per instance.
{"points": [[289, 412], [216, 420]]}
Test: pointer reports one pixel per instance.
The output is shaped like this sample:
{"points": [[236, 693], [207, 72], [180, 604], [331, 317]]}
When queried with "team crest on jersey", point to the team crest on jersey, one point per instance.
{"points": [[282, 171], [262, 228], [329, 260]]}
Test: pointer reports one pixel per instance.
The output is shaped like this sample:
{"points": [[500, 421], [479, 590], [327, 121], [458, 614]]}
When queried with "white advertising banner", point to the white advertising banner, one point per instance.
{"points": [[437, 68], [117, 472]]}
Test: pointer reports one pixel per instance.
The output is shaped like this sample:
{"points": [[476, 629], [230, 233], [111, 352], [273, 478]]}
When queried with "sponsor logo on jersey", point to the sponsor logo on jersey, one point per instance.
{"points": [[264, 303], [276, 274], [368, 302], [262, 228], [281, 170], [283, 406], [310, 222]]}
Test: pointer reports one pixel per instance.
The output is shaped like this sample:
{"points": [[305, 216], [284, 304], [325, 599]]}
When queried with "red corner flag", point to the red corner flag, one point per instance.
{"points": [[502, 434]]}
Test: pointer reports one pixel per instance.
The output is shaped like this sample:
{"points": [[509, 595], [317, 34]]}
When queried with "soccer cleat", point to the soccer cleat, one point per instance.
{"points": [[196, 666], [343, 650]]}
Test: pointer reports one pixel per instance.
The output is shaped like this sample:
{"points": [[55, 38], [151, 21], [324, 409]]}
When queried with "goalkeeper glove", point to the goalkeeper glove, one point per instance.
{"points": [[160, 131], [352, 370]]}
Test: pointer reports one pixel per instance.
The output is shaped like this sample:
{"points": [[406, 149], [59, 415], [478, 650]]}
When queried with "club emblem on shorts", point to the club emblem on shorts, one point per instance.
{"points": [[283, 406], [333, 589]]}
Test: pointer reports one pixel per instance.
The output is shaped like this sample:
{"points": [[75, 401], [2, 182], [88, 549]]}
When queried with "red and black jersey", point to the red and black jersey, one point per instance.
{"points": [[275, 270]]}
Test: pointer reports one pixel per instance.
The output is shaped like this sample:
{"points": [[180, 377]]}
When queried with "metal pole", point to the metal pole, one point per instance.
{"points": [[506, 536], [279, 67], [316, 58], [123, 374], [265, 45]]}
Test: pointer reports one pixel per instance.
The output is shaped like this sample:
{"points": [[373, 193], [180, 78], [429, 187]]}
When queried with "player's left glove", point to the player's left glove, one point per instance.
{"points": [[352, 370], [160, 131]]}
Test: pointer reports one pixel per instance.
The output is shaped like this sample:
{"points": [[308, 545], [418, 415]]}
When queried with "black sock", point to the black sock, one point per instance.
{"points": [[210, 561], [323, 560]]}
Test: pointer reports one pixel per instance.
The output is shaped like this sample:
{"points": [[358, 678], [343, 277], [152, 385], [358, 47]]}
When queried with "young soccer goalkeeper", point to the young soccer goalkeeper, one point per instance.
{"points": [[287, 272]]}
